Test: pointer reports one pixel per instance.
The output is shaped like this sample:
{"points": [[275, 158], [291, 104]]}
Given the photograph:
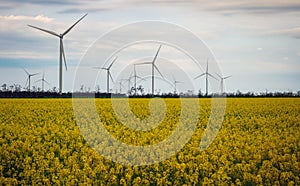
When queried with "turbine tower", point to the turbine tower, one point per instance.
{"points": [[61, 48], [153, 67], [43, 81], [108, 72], [28, 79], [206, 73], [175, 83], [222, 82]]}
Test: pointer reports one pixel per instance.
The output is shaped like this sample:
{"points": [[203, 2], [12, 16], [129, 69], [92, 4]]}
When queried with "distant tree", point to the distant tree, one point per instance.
{"points": [[200, 94], [97, 88], [34, 88], [54, 89], [140, 89], [17, 87], [298, 93], [11, 88], [4, 87], [238, 93]]}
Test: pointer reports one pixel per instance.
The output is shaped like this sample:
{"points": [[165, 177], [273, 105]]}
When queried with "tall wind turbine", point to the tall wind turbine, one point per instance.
{"points": [[28, 78], [206, 73], [108, 72], [153, 67], [61, 48], [43, 81], [222, 82], [175, 82]]}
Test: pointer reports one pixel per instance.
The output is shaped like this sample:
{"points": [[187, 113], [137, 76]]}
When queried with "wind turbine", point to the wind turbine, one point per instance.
{"points": [[108, 72], [121, 85], [153, 67], [222, 82], [28, 78], [61, 48], [43, 81], [175, 83], [206, 73], [129, 82], [135, 76]]}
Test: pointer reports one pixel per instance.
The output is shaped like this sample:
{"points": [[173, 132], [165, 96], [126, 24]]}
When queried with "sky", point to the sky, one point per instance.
{"points": [[257, 42]]}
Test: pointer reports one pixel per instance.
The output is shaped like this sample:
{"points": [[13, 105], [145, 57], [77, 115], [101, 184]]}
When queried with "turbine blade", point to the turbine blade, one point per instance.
{"points": [[199, 76], [26, 71], [212, 76], [63, 53], [173, 78], [38, 80], [96, 67], [227, 77], [156, 54], [158, 71], [44, 30], [27, 80], [47, 82], [110, 76], [73, 25], [144, 63], [112, 62], [219, 76], [34, 74], [141, 78]]}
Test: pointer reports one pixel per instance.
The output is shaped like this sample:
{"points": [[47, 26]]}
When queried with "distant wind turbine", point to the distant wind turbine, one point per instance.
{"points": [[108, 72], [121, 85], [135, 76], [206, 73], [43, 81], [222, 82], [153, 67], [175, 82], [28, 78], [61, 48], [129, 82]]}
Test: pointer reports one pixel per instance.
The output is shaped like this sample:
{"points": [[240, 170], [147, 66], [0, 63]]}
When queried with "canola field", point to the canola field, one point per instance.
{"points": [[258, 144]]}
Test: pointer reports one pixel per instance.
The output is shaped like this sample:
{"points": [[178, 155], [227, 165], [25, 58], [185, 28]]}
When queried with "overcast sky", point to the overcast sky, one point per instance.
{"points": [[257, 42]]}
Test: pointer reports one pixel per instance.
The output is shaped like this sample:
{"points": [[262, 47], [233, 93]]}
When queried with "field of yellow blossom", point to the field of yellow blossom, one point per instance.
{"points": [[258, 144]]}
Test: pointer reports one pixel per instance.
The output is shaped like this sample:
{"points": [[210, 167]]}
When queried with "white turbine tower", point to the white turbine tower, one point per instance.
{"points": [[108, 72], [61, 48], [153, 67], [222, 82], [28, 78], [43, 81], [175, 82], [206, 73]]}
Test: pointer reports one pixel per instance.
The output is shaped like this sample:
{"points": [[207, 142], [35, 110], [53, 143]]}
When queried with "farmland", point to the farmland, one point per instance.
{"points": [[258, 143]]}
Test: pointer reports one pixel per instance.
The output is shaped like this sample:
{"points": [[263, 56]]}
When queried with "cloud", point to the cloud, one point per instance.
{"points": [[40, 18], [43, 2], [80, 10], [256, 7], [291, 32]]}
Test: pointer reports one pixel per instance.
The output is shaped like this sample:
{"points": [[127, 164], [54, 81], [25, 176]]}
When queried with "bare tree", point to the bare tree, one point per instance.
{"points": [[4, 87]]}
